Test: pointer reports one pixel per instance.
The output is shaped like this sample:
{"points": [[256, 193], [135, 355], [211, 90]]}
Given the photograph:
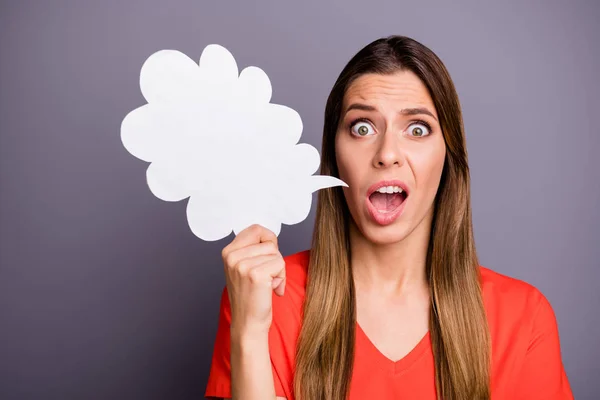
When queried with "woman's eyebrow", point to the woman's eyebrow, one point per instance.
{"points": [[404, 111], [359, 106], [417, 111]]}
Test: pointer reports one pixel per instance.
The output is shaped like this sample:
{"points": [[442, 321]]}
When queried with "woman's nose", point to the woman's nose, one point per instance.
{"points": [[389, 151]]}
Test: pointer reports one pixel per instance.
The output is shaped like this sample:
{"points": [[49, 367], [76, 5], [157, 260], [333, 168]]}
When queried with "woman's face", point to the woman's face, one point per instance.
{"points": [[389, 135]]}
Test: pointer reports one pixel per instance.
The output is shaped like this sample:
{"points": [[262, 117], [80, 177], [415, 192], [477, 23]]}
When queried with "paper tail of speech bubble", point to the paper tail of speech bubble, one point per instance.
{"points": [[318, 182]]}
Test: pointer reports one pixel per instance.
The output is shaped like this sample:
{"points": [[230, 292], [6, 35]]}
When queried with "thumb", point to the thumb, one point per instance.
{"points": [[278, 285], [276, 282]]}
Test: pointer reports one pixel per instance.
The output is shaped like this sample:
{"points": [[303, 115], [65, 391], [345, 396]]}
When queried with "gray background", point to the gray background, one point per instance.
{"points": [[104, 291]]}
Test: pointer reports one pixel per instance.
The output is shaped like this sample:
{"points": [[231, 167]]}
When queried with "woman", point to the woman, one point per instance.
{"points": [[390, 302]]}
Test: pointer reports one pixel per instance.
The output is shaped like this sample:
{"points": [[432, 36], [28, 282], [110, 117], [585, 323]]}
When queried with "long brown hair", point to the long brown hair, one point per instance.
{"points": [[458, 325]]}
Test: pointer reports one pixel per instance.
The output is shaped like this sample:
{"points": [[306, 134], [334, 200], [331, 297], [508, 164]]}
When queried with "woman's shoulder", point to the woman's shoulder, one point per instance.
{"points": [[498, 287], [525, 342], [513, 304]]}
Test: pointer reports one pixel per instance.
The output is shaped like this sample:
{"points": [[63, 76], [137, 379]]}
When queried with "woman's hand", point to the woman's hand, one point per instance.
{"points": [[254, 267]]}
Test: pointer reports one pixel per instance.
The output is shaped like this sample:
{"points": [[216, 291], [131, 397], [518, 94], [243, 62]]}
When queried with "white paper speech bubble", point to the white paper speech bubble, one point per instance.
{"points": [[214, 136]]}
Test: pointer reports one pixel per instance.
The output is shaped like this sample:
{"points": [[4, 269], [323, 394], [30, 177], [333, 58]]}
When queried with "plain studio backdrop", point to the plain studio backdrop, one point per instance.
{"points": [[104, 291]]}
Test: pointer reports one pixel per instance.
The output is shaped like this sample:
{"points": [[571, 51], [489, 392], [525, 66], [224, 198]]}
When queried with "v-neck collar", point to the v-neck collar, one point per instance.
{"points": [[393, 367]]}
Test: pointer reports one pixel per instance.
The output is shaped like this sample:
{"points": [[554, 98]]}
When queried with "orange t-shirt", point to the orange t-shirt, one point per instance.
{"points": [[526, 360]]}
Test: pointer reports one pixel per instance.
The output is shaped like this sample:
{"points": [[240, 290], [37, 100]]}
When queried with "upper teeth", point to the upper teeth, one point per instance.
{"points": [[390, 189]]}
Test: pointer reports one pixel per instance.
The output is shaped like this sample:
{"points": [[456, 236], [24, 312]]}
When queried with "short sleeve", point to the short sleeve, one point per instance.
{"points": [[543, 375], [219, 379]]}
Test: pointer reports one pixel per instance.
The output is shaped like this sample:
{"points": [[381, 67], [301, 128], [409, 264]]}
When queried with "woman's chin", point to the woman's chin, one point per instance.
{"points": [[384, 235]]}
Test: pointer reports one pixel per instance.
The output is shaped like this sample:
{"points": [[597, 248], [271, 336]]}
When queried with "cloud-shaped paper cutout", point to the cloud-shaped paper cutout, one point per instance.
{"points": [[214, 136]]}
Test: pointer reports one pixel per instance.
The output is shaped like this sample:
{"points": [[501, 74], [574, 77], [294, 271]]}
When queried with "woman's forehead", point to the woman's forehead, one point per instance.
{"points": [[403, 89]]}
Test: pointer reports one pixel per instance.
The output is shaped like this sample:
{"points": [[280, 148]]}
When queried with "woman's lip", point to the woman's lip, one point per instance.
{"points": [[393, 182], [385, 218]]}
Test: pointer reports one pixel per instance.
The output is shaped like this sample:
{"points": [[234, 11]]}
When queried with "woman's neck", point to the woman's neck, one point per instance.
{"points": [[391, 269]]}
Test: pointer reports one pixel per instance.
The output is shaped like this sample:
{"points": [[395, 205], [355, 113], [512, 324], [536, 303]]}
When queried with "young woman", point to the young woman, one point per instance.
{"points": [[390, 302]]}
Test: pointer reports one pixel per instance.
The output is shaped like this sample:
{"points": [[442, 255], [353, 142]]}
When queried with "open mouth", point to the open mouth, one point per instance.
{"points": [[387, 198]]}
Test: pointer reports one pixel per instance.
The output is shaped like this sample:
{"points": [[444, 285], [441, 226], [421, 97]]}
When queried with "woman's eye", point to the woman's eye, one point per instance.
{"points": [[418, 130], [362, 128]]}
